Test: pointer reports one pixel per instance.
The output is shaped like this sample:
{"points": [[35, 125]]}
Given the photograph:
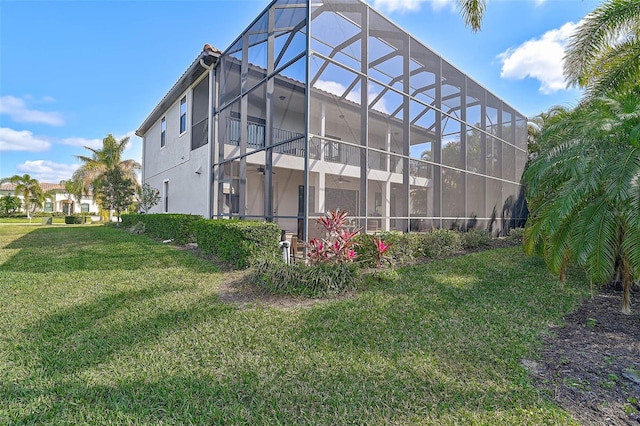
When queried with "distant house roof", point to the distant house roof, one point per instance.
{"points": [[46, 186], [208, 56]]}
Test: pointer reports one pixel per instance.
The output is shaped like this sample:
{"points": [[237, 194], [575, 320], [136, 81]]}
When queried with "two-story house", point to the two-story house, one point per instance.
{"points": [[328, 104]]}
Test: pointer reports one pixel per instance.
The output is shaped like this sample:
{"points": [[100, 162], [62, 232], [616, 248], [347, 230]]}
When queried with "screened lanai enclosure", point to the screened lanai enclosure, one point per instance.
{"points": [[328, 104]]}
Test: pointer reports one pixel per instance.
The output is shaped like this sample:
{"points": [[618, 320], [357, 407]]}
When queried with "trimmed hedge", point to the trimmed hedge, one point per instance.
{"points": [[74, 220], [177, 227], [240, 242]]}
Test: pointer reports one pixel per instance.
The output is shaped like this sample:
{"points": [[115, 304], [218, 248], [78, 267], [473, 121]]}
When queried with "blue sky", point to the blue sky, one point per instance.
{"points": [[72, 72]]}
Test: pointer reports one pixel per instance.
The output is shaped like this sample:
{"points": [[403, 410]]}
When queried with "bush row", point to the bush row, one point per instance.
{"points": [[330, 278], [434, 244], [239, 242], [176, 227]]}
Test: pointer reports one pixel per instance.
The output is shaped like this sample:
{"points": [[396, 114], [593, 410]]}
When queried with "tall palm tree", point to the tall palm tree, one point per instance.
{"points": [[583, 191], [604, 52], [102, 160], [28, 187]]}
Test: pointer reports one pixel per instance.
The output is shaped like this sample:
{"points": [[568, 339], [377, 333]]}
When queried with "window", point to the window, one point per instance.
{"points": [[163, 132], [84, 207], [48, 207], [183, 115], [165, 196]]}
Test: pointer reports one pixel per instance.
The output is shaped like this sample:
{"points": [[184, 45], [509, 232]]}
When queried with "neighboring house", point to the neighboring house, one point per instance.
{"points": [[327, 105], [59, 203]]}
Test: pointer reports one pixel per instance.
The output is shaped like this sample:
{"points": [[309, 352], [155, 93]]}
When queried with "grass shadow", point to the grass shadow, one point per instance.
{"points": [[96, 248]]}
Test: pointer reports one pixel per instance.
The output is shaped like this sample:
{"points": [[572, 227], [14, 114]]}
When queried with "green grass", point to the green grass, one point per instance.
{"points": [[101, 327], [34, 220]]}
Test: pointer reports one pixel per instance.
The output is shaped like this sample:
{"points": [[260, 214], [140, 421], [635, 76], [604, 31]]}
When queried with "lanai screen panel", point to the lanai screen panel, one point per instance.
{"points": [[418, 142], [261, 118]]}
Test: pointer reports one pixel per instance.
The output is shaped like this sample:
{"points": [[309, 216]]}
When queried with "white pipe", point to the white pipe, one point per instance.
{"points": [[286, 252], [210, 137]]}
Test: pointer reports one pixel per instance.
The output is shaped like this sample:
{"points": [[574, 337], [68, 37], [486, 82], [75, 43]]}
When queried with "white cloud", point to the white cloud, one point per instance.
{"points": [[410, 5], [540, 58], [21, 140], [82, 142], [47, 171], [338, 89], [17, 109]]}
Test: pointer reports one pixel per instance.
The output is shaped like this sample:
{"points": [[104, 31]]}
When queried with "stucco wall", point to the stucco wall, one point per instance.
{"points": [[177, 164]]}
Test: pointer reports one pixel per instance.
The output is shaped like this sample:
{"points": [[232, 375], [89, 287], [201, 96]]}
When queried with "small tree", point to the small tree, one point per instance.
{"points": [[9, 204], [148, 196], [117, 191]]}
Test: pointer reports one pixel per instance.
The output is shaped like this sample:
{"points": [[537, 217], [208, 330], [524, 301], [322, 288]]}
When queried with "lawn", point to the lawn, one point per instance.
{"points": [[57, 220], [101, 327]]}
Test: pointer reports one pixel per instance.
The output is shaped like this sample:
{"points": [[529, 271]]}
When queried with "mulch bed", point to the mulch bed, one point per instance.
{"points": [[585, 363]]}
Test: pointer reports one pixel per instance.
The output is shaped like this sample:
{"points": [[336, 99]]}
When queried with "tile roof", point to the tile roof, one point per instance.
{"points": [[46, 186]]}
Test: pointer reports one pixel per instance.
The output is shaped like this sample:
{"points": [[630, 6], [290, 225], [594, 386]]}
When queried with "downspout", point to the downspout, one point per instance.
{"points": [[210, 138]]}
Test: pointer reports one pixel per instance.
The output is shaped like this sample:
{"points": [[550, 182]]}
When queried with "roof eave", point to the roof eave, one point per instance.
{"points": [[190, 76]]}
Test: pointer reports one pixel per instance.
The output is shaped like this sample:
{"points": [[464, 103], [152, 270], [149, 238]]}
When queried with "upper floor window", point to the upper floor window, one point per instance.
{"points": [[183, 115], [163, 132]]}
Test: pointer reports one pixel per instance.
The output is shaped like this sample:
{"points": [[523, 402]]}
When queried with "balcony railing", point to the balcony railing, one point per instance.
{"points": [[256, 134], [334, 152]]}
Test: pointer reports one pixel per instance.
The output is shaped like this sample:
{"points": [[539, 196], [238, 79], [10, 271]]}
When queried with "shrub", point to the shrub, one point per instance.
{"points": [[128, 220], [315, 280], [138, 228], [74, 220], [440, 243], [516, 234], [176, 227], [339, 244], [475, 238], [403, 247], [240, 242]]}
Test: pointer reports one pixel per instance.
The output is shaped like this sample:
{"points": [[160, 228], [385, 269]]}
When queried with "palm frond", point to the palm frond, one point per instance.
{"points": [[599, 30], [617, 67], [472, 12]]}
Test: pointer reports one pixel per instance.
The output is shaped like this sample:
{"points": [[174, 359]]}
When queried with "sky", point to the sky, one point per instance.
{"points": [[72, 72]]}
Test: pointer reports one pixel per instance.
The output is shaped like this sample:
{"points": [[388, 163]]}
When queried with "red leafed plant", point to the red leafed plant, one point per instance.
{"points": [[339, 244], [381, 249]]}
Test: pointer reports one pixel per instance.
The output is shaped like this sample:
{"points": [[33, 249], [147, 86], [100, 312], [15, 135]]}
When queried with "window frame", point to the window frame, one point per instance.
{"points": [[183, 115], [165, 196], [163, 132]]}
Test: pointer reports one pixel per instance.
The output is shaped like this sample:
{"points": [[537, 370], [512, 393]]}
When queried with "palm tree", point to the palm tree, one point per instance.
{"points": [[106, 158], [29, 188], [583, 191], [604, 52], [472, 11], [94, 168], [71, 189]]}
